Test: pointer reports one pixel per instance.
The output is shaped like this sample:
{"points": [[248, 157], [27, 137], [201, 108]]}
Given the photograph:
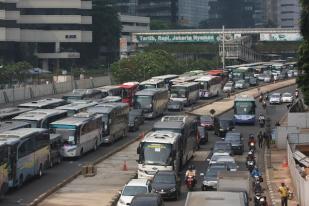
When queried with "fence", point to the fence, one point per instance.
{"points": [[300, 183], [34, 91]]}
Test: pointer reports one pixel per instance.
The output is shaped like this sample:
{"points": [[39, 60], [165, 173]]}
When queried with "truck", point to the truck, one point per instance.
{"points": [[215, 198]]}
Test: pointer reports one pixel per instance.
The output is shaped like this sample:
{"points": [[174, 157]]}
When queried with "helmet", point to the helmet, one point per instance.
{"points": [[250, 152], [251, 136]]}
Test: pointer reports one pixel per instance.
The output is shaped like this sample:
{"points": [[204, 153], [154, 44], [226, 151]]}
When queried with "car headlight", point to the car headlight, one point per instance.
{"points": [[173, 190]]}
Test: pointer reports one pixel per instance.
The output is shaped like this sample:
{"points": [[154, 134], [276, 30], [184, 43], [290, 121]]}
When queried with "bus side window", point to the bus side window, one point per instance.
{"points": [[26, 148], [41, 140]]}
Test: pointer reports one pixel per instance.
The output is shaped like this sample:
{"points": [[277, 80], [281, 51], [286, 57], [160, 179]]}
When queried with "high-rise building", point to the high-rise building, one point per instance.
{"points": [[126, 7], [288, 13], [53, 25]]}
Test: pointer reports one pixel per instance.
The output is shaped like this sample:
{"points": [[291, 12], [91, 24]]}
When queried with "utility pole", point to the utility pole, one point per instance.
{"points": [[223, 48]]}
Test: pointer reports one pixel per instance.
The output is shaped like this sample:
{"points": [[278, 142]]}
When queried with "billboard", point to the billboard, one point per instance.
{"points": [[280, 37], [174, 38]]}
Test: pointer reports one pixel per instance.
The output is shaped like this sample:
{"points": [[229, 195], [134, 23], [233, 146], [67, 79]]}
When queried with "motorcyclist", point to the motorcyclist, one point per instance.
{"points": [[296, 93], [256, 172], [251, 139], [250, 156], [261, 118], [191, 172]]}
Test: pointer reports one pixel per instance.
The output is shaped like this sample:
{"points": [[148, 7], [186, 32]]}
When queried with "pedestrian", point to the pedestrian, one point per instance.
{"points": [[284, 191], [260, 139], [266, 140]]}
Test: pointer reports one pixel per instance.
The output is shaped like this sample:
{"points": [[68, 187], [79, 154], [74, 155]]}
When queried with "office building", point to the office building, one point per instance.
{"points": [[126, 7], [288, 13], [52, 25]]}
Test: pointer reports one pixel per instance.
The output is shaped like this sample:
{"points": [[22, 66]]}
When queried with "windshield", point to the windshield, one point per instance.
{"points": [[157, 154], [224, 123], [149, 86], [213, 172], [286, 95], [221, 146], [34, 123], [164, 179], [71, 113], [144, 102], [3, 154], [203, 85], [240, 82], [178, 92], [275, 96], [169, 129], [68, 135], [244, 108], [232, 137], [206, 119], [134, 190]]}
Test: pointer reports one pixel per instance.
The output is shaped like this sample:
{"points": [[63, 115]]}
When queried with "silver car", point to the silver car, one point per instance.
{"points": [[275, 98], [228, 87]]}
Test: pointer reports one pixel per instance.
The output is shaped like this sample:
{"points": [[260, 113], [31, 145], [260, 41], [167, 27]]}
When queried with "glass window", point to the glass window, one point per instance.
{"points": [[42, 140], [134, 190], [157, 154], [164, 179]]}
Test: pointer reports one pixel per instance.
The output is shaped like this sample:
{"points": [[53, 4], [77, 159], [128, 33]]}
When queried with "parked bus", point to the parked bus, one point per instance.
{"points": [[153, 102], [80, 133], [151, 84], [128, 91], [244, 109], [167, 79], [187, 127], [28, 154], [4, 167], [10, 112], [11, 125], [82, 94], [183, 79], [49, 103], [41, 118], [159, 151], [188, 92], [77, 107], [210, 86], [111, 90], [115, 118]]}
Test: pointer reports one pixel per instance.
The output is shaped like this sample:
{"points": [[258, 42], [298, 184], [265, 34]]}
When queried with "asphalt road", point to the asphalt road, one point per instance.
{"points": [[275, 112], [34, 188]]}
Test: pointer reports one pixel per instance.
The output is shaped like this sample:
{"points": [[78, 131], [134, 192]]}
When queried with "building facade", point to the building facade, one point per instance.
{"points": [[52, 25], [288, 13]]}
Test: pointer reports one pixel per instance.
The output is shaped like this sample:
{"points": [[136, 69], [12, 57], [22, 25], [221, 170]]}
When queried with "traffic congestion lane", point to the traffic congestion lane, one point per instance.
{"points": [[275, 112]]}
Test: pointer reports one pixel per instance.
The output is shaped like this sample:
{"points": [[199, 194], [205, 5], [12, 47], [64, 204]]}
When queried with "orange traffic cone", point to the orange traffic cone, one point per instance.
{"points": [[125, 166], [285, 163]]}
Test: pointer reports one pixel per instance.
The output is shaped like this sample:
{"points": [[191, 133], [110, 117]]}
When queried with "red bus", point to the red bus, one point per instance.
{"points": [[128, 91], [219, 73]]}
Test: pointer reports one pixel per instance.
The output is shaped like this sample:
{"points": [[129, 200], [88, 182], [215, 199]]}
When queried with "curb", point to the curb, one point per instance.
{"points": [[268, 182]]}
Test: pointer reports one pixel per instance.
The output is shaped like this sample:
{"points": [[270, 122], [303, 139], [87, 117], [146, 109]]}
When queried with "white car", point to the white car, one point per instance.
{"points": [[228, 87], [267, 79], [216, 156], [133, 188], [287, 97], [240, 84], [275, 98]]}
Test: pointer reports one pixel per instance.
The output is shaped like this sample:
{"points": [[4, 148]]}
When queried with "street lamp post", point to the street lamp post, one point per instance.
{"points": [[223, 48]]}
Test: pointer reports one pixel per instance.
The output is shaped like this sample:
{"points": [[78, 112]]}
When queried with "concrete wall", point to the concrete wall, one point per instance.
{"points": [[282, 134], [300, 120], [301, 185], [33, 91]]}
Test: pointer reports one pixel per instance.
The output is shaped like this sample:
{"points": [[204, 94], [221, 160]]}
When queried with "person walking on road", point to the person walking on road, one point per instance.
{"points": [[284, 191], [260, 139], [266, 139]]}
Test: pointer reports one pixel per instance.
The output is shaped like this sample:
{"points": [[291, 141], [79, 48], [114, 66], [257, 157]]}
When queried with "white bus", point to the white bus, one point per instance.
{"points": [[111, 90], [41, 118], [210, 86], [167, 79], [80, 133], [188, 93], [49, 103], [159, 151], [77, 107], [151, 84], [10, 112]]}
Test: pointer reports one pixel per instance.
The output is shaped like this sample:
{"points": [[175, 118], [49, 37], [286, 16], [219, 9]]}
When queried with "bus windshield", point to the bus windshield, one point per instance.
{"points": [[178, 93], [68, 135], [203, 85], [143, 102], [244, 108], [157, 154]]}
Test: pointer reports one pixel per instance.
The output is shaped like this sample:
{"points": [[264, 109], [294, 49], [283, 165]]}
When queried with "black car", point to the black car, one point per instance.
{"points": [[223, 147], [235, 139], [150, 199], [222, 126], [203, 134], [136, 118], [167, 184]]}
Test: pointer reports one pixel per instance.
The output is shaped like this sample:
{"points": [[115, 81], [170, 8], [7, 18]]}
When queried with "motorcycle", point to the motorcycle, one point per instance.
{"points": [[264, 104], [250, 165], [260, 98], [262, 122], [190, 182], [260, 200], [252, 146]]}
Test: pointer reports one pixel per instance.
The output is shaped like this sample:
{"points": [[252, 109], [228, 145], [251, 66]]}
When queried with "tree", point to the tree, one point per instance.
{"points": [[159, 25], [303, 62], [15, 72]]}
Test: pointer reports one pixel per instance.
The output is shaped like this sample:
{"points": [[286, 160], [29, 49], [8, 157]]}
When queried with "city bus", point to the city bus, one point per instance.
{"points": [[153, 102], [28, 154], [82, 94], [188, 92], [11, 125], [219, 73], [210, 86], [128, 91], [41, 118], [77, 107], [244, 109], [10, 112], [111, 90], [115, 117], [49, 103], [167, 79], [183, 79], [151, 84], [80, 133]]}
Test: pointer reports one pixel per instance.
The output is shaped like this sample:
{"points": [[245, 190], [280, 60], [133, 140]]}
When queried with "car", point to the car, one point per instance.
{"points": [[210, 180], [133, 188], [295, 73], [222, 147], [207, 121], [290, 73], [253, 81], [241, 84], [216, 156], [228, 87], [167, 184], [228, 160], [261, 77], [222, 126], [275, 98], [236, 140], [151, 199], [136, 118], [268, 78], [175, 105], [287, 97], [203, 134]]}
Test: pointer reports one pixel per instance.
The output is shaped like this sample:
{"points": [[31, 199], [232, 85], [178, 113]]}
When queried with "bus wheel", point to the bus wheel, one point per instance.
{"points": [[40, 174]]}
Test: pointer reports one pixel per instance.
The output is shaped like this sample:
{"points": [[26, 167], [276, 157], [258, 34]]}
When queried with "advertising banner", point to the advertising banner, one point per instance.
{"points": [[189, 38], [280, 37]]}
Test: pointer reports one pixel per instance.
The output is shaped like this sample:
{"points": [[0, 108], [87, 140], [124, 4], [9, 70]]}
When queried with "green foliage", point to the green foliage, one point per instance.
{"points": [[16, 71], [159, 25], [303, 61]]}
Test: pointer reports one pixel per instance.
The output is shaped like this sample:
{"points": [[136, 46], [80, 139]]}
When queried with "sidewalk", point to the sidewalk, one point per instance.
{"points": [[103, 188]]}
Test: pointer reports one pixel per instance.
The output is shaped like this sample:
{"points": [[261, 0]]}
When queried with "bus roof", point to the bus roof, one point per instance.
{"points": [[185, 84], [161, 137], [182, 79], [215, 72], [19, 133], [244, 98], [168, 125], [109, 87], [150, 92], [10, 125], [106, 108], [38, 114], [129, 85], [77, 105], [76, 120], [206, 78], [41, 103], [167, 76], [151, 81], [11, 111]]}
